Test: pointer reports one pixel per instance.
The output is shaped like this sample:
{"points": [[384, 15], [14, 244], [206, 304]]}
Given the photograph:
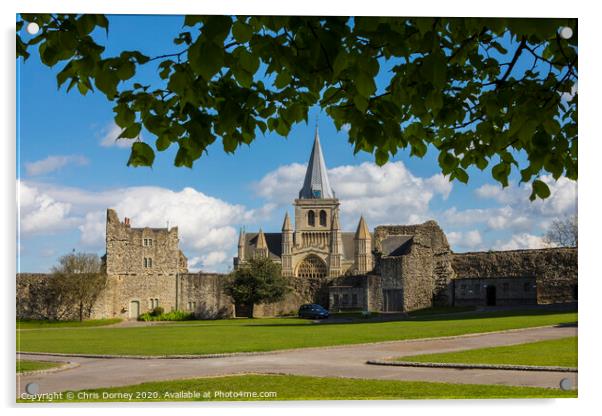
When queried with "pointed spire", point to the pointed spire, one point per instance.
{"points": [[286, 226], [316, 184], [362, 233], [261, 243], [335, 221], [241, 238]]}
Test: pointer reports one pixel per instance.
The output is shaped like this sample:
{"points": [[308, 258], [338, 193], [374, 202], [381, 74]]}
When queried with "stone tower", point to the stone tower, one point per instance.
{"points": [[336, 247], [363, 248], [261, 251], [315, 211], [287, 247]]}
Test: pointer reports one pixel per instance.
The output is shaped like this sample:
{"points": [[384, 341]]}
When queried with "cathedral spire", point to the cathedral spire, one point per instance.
{"points": [[362, 233], [286, 226], [261, 243], [316, 184]]}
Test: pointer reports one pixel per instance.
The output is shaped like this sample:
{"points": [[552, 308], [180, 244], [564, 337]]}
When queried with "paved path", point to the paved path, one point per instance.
{"points": [[343, 361]]}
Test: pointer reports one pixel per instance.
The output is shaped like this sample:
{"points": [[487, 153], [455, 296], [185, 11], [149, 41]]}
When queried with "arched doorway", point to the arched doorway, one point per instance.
{"points": [[312, 266]]}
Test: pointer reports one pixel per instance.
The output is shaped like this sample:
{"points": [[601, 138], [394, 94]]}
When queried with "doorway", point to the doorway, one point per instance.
{"points": [[491, 295], [392, 300], [134, 309]]}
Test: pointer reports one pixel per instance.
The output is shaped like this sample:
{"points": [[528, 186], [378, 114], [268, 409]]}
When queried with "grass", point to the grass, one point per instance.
{"points": [[557, 352], [306, 388], [35, 324], [30, 365], [236, 335]]}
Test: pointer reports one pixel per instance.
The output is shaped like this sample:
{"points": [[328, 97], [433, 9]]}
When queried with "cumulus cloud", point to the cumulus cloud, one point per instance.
{"points": [[39, 212], [207, 226], [53, 163], [470, 240], [521, 241], [109, 137], [387, 194]]}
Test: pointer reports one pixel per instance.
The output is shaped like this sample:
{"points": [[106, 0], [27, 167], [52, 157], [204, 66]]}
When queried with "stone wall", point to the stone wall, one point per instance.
{"points": [[33, 297], [203, 294], [503, 291], [423, 272], [554, 270]]}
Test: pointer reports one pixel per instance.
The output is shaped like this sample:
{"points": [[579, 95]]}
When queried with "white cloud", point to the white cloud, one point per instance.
{"points": [[109, 137], [467, 240], [53, 163], [387, 194], [207, 226], [521, 241], [39, 212]]}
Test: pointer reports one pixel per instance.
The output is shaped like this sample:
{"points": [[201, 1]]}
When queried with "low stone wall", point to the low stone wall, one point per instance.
{"points": [[203, 294], [554, 270], [33, 297]]}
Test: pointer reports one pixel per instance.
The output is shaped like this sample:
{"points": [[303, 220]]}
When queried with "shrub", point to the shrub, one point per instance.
{"points": [[169, 316], [157, 311]]}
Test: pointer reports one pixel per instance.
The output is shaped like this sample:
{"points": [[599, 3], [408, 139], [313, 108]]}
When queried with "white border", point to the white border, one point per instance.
{"points": [[589, 186]]}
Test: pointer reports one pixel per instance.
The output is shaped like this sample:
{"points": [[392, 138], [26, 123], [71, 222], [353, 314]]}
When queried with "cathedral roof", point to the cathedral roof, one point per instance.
{"points": [[316, 184]]}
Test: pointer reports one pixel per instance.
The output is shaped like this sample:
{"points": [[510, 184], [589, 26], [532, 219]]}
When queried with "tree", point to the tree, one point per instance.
{"points": [[77, 281], [479, 91], [257, 280], [563, 232]]}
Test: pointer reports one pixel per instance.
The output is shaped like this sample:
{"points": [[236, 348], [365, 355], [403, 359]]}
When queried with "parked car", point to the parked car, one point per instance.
{"points": [[313, 311]]}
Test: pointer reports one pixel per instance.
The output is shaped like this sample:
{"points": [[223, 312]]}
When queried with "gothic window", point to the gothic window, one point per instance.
{"points": [[323, 218], [312, 266], [311, 218]]}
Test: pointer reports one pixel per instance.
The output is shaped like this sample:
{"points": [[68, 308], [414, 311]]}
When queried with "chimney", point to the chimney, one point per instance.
{"points": [[126, 221]]}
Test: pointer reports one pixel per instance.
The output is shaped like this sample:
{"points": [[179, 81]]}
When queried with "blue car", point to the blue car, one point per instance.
{"points": [[313, 311]]}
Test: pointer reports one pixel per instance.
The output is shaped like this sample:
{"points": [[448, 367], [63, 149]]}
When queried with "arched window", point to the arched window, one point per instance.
{"points": [[311, 267], [311, 218], [323, 218]]}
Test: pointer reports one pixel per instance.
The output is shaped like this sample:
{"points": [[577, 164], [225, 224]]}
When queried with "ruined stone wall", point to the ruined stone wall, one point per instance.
{"points": [[203, 294], [425, 272], [126, 250], [554, 269], [33, 298]]}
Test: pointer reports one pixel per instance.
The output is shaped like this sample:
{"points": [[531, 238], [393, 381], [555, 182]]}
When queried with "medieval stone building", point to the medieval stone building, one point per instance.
{"points": [[395, 268]]}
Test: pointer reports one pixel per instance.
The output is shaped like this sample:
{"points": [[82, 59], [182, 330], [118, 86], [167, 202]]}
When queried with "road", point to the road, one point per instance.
{"points": [[341, 361]]}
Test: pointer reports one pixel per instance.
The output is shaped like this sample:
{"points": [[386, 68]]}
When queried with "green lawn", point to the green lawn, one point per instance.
{"points": [[238, 335], [34, 324], [311, 388], [558, 352], [29, 365]]}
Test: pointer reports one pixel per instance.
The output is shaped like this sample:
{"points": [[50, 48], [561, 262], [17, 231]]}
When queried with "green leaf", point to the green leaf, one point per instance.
{"points": [[241, 31], [540, 189], [131, 132], [365, 84], [124, 116], [141, 155], [500, 173], [205, 58]]}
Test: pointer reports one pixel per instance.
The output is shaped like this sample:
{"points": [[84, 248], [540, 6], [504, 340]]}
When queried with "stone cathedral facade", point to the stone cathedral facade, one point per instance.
{"points": [[315, 247]]}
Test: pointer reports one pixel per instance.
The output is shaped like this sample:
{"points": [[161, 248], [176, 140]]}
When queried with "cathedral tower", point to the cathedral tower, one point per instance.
{"points": [[315, 211], [363, 248]]}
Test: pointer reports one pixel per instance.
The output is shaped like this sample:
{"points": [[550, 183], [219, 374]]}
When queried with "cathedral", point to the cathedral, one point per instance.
{"points": [[316, 247]]}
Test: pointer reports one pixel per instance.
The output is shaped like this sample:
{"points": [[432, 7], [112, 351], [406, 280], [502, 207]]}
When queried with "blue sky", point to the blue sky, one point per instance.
{"points": [[70, 171]]}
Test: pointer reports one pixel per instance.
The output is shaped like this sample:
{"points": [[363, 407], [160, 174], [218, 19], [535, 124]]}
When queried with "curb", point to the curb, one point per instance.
{"points": [[65, 366], [474, 366], [251, 353]]}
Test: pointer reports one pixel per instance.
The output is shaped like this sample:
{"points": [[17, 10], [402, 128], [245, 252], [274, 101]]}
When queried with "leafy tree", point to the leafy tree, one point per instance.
{"points": [[478, 91], [563, 232], [77, 282], [257, 280]]}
